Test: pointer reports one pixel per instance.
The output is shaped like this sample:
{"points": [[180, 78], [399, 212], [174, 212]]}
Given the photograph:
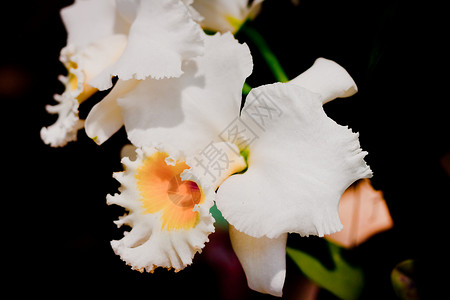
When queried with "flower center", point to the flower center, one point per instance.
{"points": [[162, 190], [184, 193]]}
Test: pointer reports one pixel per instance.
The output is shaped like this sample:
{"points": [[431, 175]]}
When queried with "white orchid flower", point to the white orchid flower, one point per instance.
{"points": [[168, 193], [226, 15], [299, 164], [92, 43], [129, 39]]}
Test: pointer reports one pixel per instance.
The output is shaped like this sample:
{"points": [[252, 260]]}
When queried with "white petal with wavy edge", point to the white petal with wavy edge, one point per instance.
{"points": [[299, 166], [161, 37], [191, 111], [263, 260], [89, 20]]}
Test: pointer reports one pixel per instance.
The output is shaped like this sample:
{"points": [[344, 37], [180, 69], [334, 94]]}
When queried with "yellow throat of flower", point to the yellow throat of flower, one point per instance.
{"points": [[73, 82], [162, 190]]}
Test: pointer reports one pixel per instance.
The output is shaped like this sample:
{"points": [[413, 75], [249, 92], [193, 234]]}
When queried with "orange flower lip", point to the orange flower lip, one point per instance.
{"points": [[162, 190]]}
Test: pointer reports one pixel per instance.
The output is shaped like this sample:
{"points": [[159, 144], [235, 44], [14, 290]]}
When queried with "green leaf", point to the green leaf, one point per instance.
{"points": [[270, 58], [344, 280], [217, 215]]}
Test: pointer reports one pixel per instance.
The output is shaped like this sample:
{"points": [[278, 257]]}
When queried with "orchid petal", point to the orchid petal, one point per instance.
{"points": [[216, 162], [191, 111], [89, 20], [299, 166], [127, 9], [263, 260], [226, 15], [86, 63], [328, 79], [66, 127], [160, 38], [105, 118]]}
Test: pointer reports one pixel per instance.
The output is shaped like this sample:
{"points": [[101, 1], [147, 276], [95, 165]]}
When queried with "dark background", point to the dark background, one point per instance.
{"points": [[58, 226]]}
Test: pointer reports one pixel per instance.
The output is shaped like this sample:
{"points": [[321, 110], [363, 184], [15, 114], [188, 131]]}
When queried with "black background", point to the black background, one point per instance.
{"points": [[58, 226]]}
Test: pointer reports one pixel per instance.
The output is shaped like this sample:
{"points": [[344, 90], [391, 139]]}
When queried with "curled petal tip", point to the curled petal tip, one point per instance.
{"points": [[328, 79]]}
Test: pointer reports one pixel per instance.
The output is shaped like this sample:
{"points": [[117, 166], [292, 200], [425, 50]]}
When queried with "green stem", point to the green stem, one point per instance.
{"points": [[268, 55], [246, 88]]}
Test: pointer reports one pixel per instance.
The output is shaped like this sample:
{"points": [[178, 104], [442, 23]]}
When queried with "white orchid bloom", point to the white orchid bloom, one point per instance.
{"points": [[129, 39], [92, 44], [168, 193], [226, 15], [299, 164]]}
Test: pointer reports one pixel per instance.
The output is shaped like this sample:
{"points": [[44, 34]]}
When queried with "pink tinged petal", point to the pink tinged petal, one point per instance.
{"points": [[363, 213], [328, 79], [191, 111], [161, 37], [89, 20], [263, 260], [299, 165], [105, 118]]}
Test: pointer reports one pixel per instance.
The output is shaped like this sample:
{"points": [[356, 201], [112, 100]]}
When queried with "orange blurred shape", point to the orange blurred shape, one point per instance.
{"points": [[363, 212]]}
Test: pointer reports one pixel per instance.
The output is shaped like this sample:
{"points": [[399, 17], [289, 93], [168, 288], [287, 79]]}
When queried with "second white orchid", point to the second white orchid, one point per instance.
{"points": [[297, 164]]}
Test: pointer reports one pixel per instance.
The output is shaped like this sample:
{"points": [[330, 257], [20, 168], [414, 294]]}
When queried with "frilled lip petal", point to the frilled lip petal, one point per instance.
{"points": [[167, 229], [66, 127], [300, 163], [191, 111], [168, 195], [161, 37], [263, 260]]}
